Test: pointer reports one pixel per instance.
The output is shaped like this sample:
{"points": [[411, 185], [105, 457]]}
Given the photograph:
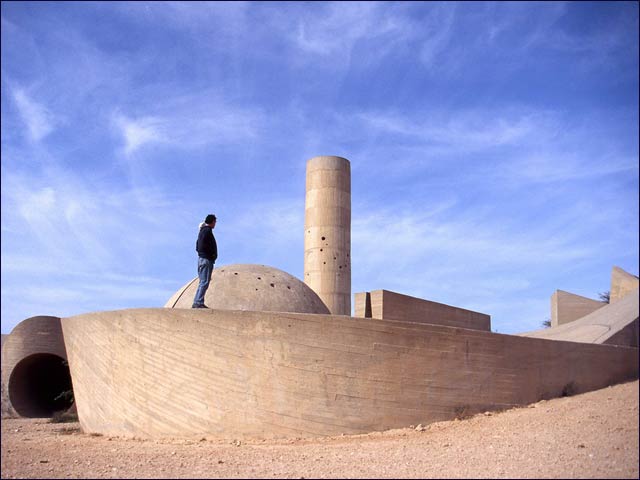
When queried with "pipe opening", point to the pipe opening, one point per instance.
{"points": [[40, 385]]}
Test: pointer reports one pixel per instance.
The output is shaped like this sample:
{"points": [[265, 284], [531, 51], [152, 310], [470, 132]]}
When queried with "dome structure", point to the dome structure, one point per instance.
{"points": [[252, 287]]}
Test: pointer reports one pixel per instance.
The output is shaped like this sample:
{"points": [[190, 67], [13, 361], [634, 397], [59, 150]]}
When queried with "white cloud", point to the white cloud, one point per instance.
{"points": [[268, 232], [469, 130], [139, 132], [438, 30], [413, 237], [39, 120], [329, 33], [78, 225], [189, 121], [491, 265], [552, 167], [337, 27]]}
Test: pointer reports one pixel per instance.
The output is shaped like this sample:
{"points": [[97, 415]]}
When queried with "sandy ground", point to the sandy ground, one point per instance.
{"points": [[593, 435]]}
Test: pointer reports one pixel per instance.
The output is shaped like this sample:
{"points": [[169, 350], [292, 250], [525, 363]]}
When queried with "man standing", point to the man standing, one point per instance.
{"points": [[207, 254]]}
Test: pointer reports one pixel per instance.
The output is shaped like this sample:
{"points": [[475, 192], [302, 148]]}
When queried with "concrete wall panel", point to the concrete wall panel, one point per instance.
{"points": [[622, 283], [567, 307], [385, 304]]}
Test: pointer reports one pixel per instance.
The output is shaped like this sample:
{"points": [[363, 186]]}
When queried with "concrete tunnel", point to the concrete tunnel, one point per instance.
{"points": [[40, 385], [36, 381]]}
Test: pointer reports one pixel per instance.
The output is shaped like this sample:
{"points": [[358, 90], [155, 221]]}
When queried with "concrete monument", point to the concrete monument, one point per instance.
{"points": [[277, 356]]}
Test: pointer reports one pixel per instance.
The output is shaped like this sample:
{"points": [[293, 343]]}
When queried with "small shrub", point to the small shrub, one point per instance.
{"points": [[64, 416], [66, 396], [569, 389], [69, 430], [461, 412]]}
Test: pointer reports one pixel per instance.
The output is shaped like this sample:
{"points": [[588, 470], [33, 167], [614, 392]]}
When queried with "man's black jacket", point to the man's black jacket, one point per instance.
{"points": [[206, 245]]}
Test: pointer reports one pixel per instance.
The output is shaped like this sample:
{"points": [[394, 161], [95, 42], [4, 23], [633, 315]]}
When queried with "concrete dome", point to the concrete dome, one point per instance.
{"points": [[252, 287]]}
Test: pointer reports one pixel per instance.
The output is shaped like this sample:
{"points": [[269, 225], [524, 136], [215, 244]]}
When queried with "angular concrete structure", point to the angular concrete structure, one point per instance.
{"points": [[622, 283], [388, 305], [613, 324], [327, 232], [567, 307]]}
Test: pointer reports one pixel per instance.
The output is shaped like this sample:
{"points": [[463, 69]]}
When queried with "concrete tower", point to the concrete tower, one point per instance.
{"points": [[327, 232]]}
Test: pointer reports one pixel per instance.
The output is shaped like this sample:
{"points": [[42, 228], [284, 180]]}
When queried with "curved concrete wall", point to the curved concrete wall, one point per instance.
{"points": [[178, 372], [327, 227], [34, 368]]}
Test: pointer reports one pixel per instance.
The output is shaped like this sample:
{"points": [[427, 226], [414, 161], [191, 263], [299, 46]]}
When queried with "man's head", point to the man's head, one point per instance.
{"points": [[210, 219]]}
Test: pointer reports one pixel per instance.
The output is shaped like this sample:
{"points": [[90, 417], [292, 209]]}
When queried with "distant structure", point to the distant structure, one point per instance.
{"points": [[567, 307], [276, 356], [622, 283], [327, 232], [388, 305], [579, 319], [612, 324]]}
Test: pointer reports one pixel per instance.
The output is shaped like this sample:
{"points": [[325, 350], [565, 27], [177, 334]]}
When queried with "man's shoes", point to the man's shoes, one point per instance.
{"points": [[199, 306]]}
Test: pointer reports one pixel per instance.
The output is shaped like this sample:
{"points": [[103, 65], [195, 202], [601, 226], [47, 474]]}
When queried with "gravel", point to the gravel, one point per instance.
{"points": [[592, 435]]}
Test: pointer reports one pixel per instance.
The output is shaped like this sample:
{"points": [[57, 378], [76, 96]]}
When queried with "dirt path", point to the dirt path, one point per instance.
{"points": [[593, 435]]}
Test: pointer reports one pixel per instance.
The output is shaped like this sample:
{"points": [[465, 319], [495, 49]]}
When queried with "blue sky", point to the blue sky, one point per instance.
{"points": [[493, 147]]}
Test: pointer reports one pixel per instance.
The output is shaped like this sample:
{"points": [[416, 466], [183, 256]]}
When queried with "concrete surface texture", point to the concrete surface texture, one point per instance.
{"points": [[34, 369], [252, 287], [613, 324], [182, 372], [395, 306], [567, 307], [327, 231], [621, 284]]}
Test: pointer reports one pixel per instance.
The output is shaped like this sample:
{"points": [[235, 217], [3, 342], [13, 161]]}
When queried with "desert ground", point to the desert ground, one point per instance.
{"points": [[591, 435]]}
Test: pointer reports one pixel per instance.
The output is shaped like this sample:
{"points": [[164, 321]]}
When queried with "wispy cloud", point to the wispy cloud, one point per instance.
{"points": [[564, 167], [336, 26], [39, 120], [189, 121], [474, 262], [269, 232], [462, 130], [438, 27], [59, 210], [139, 132], [454, 238]]}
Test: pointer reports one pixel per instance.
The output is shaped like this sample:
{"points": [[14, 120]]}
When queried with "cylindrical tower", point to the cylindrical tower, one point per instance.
{"points": [[327, 232]]}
